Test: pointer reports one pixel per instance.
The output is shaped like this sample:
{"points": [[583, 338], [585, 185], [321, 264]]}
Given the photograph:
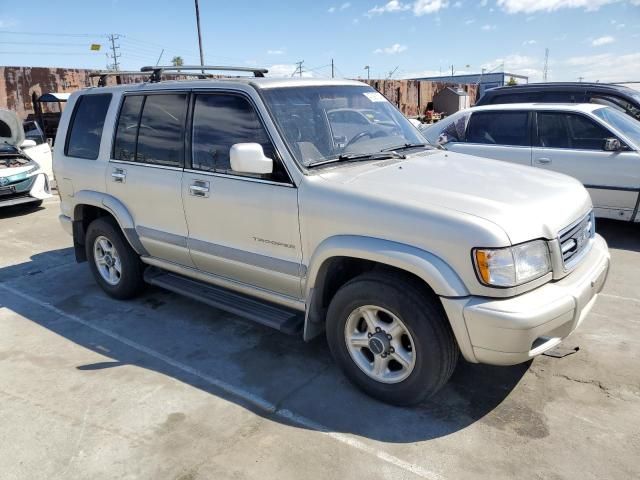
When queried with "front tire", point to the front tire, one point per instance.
{"points": [[115, 265], [391, 338]]}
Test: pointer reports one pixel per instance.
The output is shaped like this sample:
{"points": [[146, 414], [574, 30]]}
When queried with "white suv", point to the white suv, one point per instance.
{"points": [[248, 195], [597, 144]]}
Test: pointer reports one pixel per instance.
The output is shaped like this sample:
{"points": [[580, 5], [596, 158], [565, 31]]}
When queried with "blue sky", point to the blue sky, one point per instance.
{"points": [[593, 39]]}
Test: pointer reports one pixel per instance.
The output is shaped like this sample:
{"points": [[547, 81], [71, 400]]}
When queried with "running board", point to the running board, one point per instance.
{"points": [[274, 316]]}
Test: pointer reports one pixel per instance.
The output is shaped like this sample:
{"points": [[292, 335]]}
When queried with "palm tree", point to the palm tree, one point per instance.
{"points": [[177, 61]]}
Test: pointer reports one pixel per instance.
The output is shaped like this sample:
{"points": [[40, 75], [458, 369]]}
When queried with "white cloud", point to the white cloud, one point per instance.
{"points": [[529, 42], [470, 21], [392, 50], [424, 7], [457, 5], [279, 51], [484, 3], [517, 64], [331, 9], [529, 6], [606, 40], [605, 67], [488, 27], [419, 7], [285, 70]]}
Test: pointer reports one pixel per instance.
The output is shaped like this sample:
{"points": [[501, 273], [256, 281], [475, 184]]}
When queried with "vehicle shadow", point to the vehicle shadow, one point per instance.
{"points": [[221, 354], [621, 235], [19, 210]]}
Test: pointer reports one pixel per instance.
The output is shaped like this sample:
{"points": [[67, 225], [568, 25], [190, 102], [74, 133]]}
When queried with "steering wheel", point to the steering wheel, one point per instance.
{"points": [[357, 137]]}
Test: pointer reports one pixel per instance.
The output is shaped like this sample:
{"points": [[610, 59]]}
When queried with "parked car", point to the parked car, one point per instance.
{"points": [[598, 145], [41, 151], [618, 96], [406, 255], [22, 180]]}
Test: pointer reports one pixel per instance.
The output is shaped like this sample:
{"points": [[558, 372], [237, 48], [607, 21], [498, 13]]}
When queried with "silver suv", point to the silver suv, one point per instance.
{"points": [[314, 205]]}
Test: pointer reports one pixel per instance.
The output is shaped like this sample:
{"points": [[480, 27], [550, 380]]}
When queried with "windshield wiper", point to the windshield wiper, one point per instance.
{"points": [[354, 157], [406, 146]]}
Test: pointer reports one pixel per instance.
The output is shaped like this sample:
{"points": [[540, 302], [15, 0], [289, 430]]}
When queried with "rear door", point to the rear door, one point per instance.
{"points": [[501, 135], [572, 143], [145, 170]]}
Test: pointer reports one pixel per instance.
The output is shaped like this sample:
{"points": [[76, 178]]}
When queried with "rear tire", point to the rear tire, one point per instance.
{"points": [[115, 265], [410, 326]]}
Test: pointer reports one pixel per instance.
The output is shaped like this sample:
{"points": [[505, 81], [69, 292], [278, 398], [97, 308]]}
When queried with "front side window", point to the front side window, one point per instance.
{"points": [[87, 122], [621, 122], [570, 130], [219, 122], [499, 128], [325, 122]]}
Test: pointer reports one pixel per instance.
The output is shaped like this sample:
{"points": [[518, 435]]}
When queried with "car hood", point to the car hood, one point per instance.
{"points": [[11, 130], [526, 202]]}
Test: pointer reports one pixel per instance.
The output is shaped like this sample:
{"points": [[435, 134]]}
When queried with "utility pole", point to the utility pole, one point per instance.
{"points": [[452, 71], [545, 70], [298, 68], [199, 35], [332, 69], [368, 69], [114, 51], [580, 79]]}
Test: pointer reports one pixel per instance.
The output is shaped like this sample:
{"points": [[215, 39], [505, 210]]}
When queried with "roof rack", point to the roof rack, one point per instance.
{"points": [[102, 80], [180, 70]]}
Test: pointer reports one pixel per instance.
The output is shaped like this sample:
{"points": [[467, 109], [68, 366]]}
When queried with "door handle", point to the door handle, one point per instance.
{"points": [[199, 188], [119, 175], [543, 160]]}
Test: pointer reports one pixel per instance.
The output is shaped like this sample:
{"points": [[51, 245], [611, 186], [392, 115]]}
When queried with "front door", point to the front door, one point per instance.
{"points": [[501, 135], [145, 172], [241, 227], [572, 143]]}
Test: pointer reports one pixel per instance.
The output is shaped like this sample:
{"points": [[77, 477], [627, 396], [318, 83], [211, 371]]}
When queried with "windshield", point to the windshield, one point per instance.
{"points": [[626, 125], [327, 122]]}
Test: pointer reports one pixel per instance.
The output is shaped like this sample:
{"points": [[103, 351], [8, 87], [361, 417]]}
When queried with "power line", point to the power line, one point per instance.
{"points": [[44, 34]]}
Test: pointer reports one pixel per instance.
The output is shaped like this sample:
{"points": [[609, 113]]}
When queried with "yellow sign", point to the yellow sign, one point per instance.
{"points": [[95, 46]]}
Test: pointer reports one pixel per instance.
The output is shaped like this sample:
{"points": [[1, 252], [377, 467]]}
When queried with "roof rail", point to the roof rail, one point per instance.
{"points": [[102, 80], [180, 70]]}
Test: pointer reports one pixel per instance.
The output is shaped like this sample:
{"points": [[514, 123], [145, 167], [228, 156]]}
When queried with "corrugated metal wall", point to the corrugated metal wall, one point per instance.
{"points": [[18, 83]]}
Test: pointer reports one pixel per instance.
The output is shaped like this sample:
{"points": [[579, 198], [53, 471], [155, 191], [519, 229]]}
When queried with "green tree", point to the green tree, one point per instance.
{"points": [[512, 82], [177, 61]]}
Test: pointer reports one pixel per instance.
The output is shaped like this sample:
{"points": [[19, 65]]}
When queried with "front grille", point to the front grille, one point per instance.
{"points": [[575, 239]]}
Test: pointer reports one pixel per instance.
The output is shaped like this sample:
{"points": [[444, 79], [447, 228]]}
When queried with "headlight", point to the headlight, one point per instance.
{"points": [[34, 167], [511, 266]]}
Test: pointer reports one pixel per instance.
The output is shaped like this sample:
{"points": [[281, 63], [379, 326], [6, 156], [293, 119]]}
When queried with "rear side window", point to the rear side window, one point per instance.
{"points": [[499, 128], [151, 129], [161, 130], [87, 122], [127, 130]]}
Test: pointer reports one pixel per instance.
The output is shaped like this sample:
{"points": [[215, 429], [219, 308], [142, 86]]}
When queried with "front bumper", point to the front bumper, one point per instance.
{"points": [[514, 330], [32, 189]]}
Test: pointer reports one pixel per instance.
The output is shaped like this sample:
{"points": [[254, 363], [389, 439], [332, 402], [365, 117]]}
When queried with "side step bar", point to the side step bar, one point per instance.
{"points": [[274, 316]]}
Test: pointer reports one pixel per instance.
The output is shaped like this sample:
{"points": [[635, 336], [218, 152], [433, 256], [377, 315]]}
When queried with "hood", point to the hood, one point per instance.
{"points": [[11, 130], [526, 202]]}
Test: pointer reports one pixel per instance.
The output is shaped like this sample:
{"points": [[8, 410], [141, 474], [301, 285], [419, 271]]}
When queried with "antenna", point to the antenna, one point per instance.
{"points": [[545, 70]]}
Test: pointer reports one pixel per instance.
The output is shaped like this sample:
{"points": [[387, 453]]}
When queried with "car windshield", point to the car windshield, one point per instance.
{"points": [[328, 122], [626, 125]]}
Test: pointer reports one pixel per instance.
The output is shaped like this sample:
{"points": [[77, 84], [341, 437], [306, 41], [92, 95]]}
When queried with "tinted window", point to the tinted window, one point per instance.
{"points": [[220, 121], [124, 147], [568, 130], [499, 128], [161, 130], [86, 128]]}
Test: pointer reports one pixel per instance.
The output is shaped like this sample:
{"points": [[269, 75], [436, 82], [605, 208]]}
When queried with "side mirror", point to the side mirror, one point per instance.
{"points": [[611, 145], [249, 158], [415, 123], [443, 139], [28, 143]]}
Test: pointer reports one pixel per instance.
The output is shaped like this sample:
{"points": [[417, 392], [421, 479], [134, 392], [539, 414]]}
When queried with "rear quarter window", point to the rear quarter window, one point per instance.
{"points": [[87, 122]]}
